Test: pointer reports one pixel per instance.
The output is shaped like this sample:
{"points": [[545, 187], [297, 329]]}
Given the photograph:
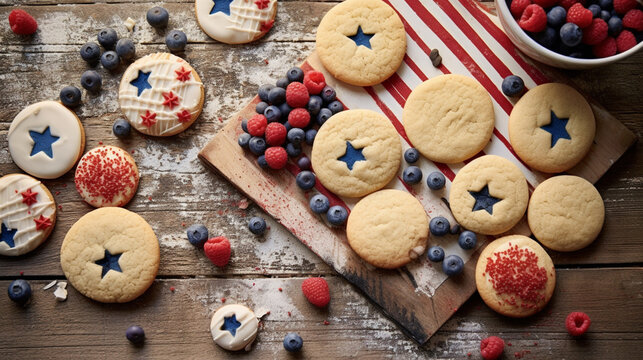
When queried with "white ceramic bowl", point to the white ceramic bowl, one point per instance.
{"points": [[538, 52]]}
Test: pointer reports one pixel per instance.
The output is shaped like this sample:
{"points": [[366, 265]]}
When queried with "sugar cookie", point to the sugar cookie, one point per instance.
{"points": [[235, 21], [234, 327]]}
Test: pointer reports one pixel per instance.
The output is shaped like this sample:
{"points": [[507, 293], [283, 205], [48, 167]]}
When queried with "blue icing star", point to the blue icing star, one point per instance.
{"points": [[362, 39], [231, 324], [109, 262], [7, 235], [221, 6], [351, 156], [141, 82], [557, 128], [43, 142], [484, 201]]}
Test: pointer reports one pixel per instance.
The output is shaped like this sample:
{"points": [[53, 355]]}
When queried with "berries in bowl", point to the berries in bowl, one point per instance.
{"points": [[573, 34]]}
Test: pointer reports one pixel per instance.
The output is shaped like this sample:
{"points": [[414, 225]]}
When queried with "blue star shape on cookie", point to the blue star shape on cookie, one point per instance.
{"points": [[351, 156], [109, 262], [221, 6], [231, 324], [7, 236], [557, 128], [361, 39], [484, 201], [141, 82], [42, 142]]}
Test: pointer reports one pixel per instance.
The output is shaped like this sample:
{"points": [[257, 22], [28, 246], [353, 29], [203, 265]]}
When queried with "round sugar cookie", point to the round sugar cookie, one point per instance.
{"points": [[46, 139], [361, 42], [449, 118], [235, 21], [161, 94], [566, 213], [552, 127], [515, 276], [489, 195], [106, 176], [27, 214], [234, 327], [110, 255], [388, 228], [356, 152]]}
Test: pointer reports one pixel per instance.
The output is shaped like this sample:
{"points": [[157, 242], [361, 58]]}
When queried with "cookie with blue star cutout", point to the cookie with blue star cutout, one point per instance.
{"points": [[361, 42], [552, 127], [110, 255], [356, 152], [46, 139], [234, 327], [235, 21], [489, 195]]}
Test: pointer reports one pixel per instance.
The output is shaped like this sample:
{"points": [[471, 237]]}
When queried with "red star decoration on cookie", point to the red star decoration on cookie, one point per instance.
{"points": [[184, 116], [171, 100], [42, 223], [266, 26], [29, 197], [149, 118], [262, 4], [182, 74]]}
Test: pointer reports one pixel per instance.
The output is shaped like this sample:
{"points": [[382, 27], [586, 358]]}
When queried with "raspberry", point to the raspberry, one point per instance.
{"points": [[257, 125], [491, 348], [218, 250], [299, 118], [518, 7], [606, 48], [314, 82], [275, 134], [22, 23], [577, 323], [634, 20], [623, 6], [546, 3], [316, 291], [533, 19], [276, 157], [595, 33], [625, 41], [580, 16], [297, 95], [568, 3]]}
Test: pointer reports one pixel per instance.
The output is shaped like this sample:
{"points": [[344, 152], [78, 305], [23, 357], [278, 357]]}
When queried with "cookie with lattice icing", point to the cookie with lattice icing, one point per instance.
{"points": [[161, 94], [235, 21], [234, 327]]}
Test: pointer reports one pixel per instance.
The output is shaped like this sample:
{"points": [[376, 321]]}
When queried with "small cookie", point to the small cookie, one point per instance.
{"points": [[361, 42], [27, 214], [388, 228], [110, 255], [106, 176], [46, 139], [515, 276], [566, 213], [235, 21], [552, 127], [489, 195], [234, 327], [449, 118], [161, 94], [356, 152]]}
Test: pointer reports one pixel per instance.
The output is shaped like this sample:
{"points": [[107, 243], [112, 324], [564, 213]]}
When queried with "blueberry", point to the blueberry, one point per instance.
{"points": [[547, 38], [324, 114], [121, 128], [570, 34], [107, 38], [19, 291], [257, 225], [296, 135], [90, 52], [293, 342], [328, 94], [467, 240], [261, 107], [157, 17], [452, 265], [336, 215], [91, 81], [282, 83], [244, 139], [70, 96], [261, 161], [335, 107], [272, 113], [605, 4], [287, 126], [176, 40], [110, 60], [319, 204], [310, 136], [557, 16], [257, 145], [295, 74], [305, 180], [293, 150], [314, 105], [135, 334], [605, 15], [435, 254], [277, 96], [197, 235], [455, 228], [595, 9], [512, 85], [412, 175], [285, 110], [125, 49], [614, 25], [244, 125], [263, 92], [304, 163], [435, 180], [411, 155], [439, 226]]}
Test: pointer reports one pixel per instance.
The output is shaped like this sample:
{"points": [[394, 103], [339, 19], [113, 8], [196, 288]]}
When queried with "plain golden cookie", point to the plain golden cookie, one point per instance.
{"points": [[356, 152], [449, 118], [515, 276], [361, 42], [110, 255], [566, 213], [552, 127], [388, 228], [234, 327], [489, 195]]}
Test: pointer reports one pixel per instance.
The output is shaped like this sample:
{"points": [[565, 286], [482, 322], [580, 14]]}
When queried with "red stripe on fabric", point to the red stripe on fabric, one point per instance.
{"points": [[411, 64], [401, 86], [332, 198], [388, 84]]}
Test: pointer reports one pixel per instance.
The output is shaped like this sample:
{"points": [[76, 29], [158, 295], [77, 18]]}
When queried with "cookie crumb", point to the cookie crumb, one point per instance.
{"points": [[50, 285], [129, 24]]}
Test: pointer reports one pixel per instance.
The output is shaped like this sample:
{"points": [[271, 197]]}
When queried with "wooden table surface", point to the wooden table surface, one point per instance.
{"points": [[604, 280]]}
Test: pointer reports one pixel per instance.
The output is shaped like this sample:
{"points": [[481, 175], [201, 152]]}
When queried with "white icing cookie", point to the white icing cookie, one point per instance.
{"points": [[46, 139], [27, 214], [234, 327], [235, 21], [161, 94]]}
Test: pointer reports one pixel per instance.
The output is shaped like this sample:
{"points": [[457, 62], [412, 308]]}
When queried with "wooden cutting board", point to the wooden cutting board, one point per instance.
{"points": [[419, 297]]}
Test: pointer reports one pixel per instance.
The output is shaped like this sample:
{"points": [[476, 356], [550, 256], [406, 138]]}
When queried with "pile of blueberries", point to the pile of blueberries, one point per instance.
{"points": [[452, 264]]}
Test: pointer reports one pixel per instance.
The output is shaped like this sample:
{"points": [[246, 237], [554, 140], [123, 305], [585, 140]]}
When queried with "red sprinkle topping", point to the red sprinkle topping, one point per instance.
{"points": [[289, 314], [149, 118], [326, 322], [262, 4], [42, 223], [170, 100], [222, 300], [29, 197], [182, 74], [22, 273], [105, 173], [280, 289], [172, 288], [266, 26]]}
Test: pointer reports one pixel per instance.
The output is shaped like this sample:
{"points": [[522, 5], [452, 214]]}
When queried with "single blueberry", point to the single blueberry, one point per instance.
{"points": [[605, 4], [328, 94], [90, 52], [335, 107], [306, 180], [304, 163], [285, 110], [435, 254], [19, 291], [556, 17], [121, 128], [296, 135], [157, 17], [605, 15], [314, 105], [595, 9], [272, 113], [91, 81], [293, 342], [455, 228], [439, 226], [336, 215], [411, 155], [107, 38], [135, 334], [110, 60], [287, 126], [70, 96], [467, 240], [176, 40], [277, 96], [412, 175], [547, 38], [293, 150], [295, 74], [244, 125], [244, 139], [261, 161], [452, 265], [512, 85], [310, 136], [319, 204], [263, 92], [324, 114], [283, 83], [261, 107], [125, 49], [197, 234], [257, 225], [614, 25], [435, 180], [257, 145], [570, 34]]}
